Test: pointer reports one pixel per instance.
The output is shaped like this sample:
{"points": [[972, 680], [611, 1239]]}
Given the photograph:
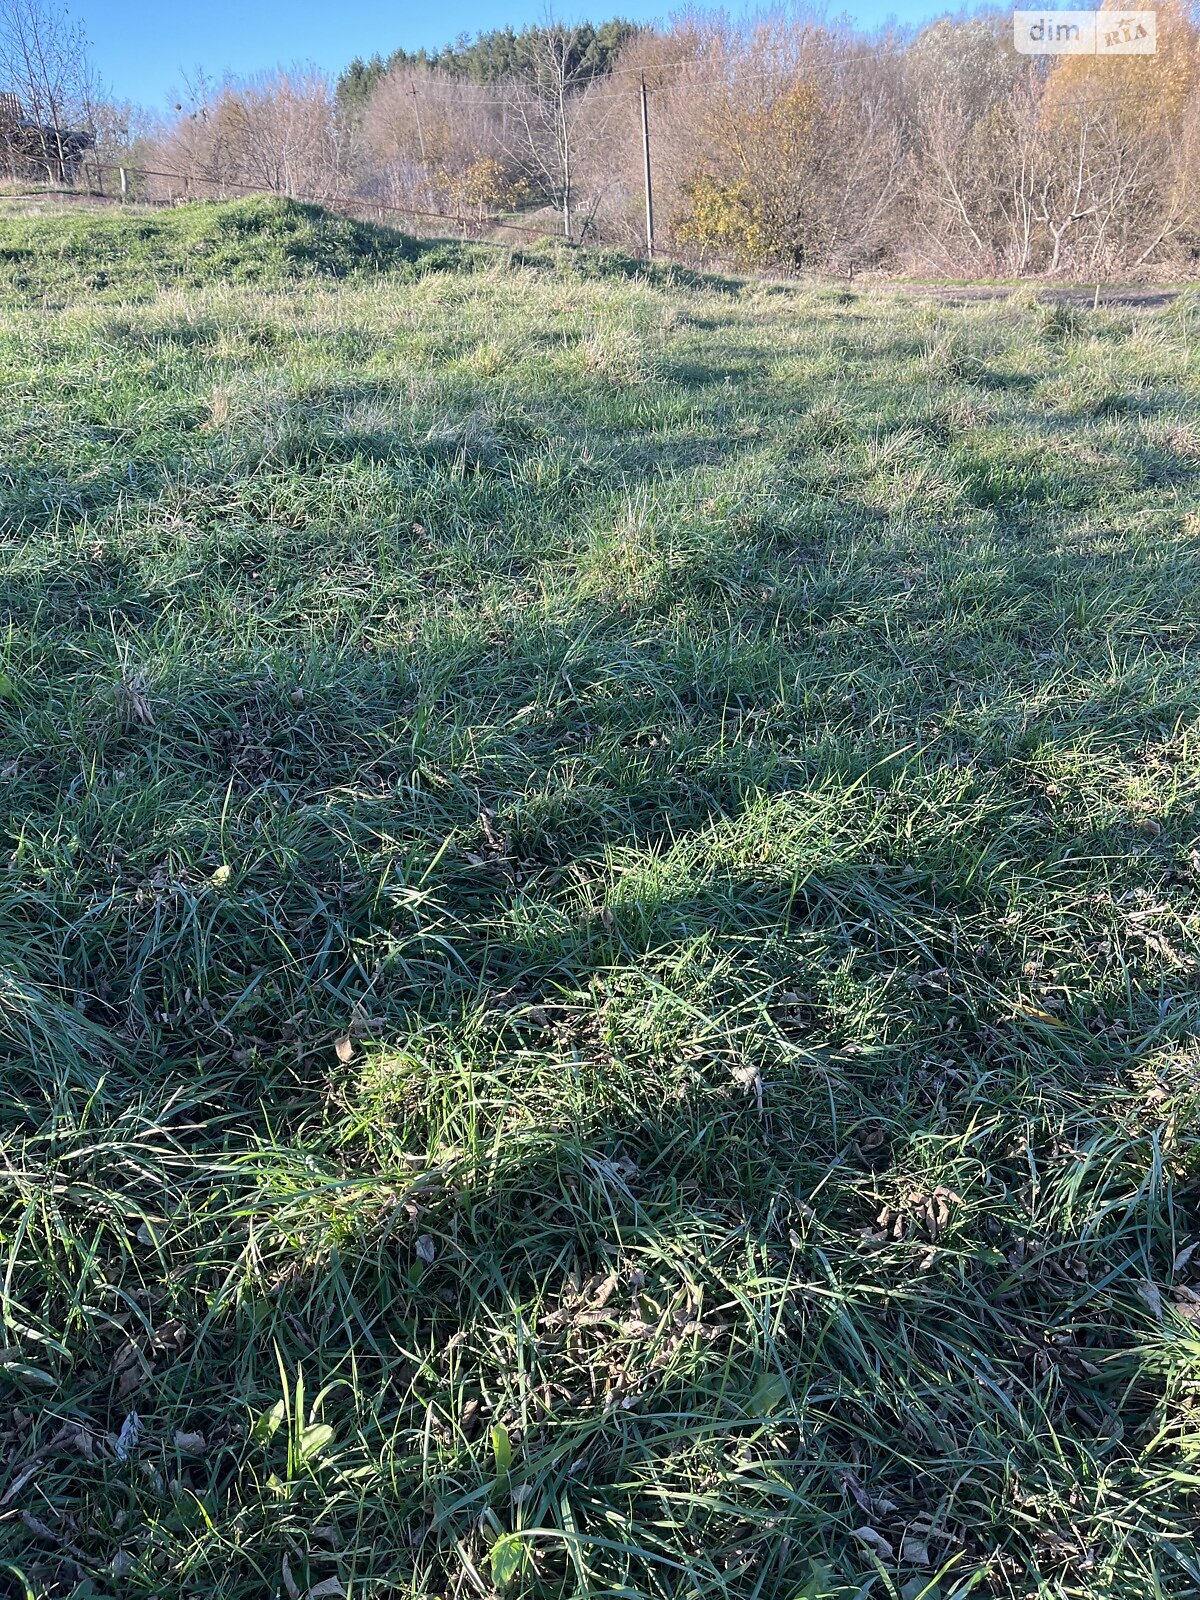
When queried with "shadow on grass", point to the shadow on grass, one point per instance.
{"points": [[657, 1032]]}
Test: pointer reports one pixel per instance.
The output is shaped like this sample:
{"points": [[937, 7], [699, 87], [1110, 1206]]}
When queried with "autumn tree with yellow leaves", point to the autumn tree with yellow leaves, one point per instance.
{"points": [[1117, 127]]}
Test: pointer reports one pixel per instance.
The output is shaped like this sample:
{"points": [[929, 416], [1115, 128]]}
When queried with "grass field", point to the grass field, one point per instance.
{"points": [[599, 931]]}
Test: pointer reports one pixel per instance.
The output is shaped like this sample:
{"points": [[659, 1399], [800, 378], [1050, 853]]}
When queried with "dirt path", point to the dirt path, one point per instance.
{"points": [[1140, 297]]}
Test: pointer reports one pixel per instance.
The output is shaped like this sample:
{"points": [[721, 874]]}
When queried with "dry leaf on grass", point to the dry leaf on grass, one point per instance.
{"points": [[1152, 1297], [853, 1488], [289, 1583], [131, 1367], [1184, 1256], [914, 1550], [71, 1436], [40, 1530], [749, 1080], [875, 1541]]}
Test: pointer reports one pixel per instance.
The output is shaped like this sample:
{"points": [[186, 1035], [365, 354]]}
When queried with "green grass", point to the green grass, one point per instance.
{"points": [[55, 257], [598, 945]]}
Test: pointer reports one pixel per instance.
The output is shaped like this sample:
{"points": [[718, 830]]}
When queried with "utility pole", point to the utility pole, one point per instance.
{"points": [[420, 129], [646, 165]]}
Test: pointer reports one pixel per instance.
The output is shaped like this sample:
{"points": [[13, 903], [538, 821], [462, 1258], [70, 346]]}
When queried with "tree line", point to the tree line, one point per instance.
{"points": [[497, 57], [777, 141]]}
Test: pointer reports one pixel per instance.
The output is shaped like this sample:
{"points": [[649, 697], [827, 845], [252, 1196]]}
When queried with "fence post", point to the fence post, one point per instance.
{"points": [[646, 169], [124, 183]]}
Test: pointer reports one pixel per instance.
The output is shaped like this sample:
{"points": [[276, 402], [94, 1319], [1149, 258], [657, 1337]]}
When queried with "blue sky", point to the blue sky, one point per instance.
{"points": [[144, 50]]}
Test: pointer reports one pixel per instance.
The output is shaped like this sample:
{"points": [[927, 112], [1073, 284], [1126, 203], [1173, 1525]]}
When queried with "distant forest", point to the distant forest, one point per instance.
{"points": [[494, 57]]}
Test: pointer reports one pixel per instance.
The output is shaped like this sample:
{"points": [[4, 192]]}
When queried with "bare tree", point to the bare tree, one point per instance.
{"points": [[974, 147], [280, 132], [544, 128], [44, 64]]}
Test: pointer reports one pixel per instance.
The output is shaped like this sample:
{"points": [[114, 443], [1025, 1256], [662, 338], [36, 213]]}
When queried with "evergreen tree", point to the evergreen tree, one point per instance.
{"points": [[494, 57]]}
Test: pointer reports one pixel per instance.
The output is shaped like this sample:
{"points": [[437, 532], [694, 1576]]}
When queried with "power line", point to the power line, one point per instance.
{"points": [[600, 78], [731, 78]]}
